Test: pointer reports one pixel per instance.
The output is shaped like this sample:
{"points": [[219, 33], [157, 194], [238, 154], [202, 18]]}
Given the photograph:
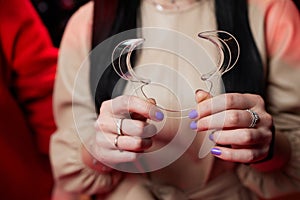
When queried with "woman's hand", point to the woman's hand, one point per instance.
{"points": [[240, 136], [122, 130]]}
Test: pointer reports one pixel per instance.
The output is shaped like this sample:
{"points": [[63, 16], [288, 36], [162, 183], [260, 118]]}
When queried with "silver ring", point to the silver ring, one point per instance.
{"points": [[119, 127], [116, 142], [255, 118]]}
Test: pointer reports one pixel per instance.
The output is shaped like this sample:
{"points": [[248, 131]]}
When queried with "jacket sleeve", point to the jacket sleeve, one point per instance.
{"points": [[32, 58], [75, 112], [282, 36]]}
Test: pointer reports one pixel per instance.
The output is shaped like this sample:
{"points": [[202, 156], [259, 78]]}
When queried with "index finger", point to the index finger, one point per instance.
{"points": [[124, 105], [224, 102]]}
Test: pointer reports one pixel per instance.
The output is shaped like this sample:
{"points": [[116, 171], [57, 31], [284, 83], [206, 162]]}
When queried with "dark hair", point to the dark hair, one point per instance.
{"points": [[113, 16], [297, 3], [248, 75]]}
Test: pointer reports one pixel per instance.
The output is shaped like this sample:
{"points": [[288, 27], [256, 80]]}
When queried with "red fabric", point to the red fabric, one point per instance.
{"points": [[27, 71]]}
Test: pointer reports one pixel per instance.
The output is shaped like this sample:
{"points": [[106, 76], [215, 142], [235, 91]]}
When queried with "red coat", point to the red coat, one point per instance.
{"points": [[27, 71]]}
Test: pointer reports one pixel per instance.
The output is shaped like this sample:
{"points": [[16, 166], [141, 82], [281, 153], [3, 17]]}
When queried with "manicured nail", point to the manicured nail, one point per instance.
{"points": [[211, 137], [159, 115], [216, 151], [193, 114], [193, 125]]}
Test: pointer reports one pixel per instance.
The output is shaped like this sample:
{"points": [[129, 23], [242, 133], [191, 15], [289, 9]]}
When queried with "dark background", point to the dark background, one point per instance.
{"points": [[55, 15]]}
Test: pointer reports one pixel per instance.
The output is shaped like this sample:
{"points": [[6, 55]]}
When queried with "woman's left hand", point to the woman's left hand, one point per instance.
{"points": [[240, 125]]}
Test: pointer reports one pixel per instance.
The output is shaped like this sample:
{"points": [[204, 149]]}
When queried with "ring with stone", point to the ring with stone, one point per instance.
{"points": [[254, 118]]}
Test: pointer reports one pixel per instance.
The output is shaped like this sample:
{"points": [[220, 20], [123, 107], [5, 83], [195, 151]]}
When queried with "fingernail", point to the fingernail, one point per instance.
{"points": [[193, 125], [156, 114], [159, 115], [211, 137], [216, 151], [149, 131], [151, 100], [146, 143], [193, 114], [198, 90]]}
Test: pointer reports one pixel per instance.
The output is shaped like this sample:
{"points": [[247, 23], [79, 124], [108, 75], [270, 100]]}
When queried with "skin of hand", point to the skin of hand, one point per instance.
{"points": [[135, 139], [235, 141], [226, 114]]}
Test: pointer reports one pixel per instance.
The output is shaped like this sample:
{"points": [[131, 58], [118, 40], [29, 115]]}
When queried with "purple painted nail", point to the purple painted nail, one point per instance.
{"points": [[211, 137], [159, 115], [216, 151], [193, 125], [193, 114]]}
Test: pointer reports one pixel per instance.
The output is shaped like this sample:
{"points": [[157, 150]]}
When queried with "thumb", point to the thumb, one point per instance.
{"points": [[201, 95]]}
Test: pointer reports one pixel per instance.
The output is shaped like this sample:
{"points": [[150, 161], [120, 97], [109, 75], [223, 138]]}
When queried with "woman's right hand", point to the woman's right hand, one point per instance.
{"points": [[128, 114]]}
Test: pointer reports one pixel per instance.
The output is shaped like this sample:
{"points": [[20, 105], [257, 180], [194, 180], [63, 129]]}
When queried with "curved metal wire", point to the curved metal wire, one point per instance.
{"points": [[226, 44], [125, 48], [228, 50], [228, 54]]}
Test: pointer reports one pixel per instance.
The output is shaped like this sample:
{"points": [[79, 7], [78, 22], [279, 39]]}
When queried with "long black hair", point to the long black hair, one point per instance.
{"points": [[114, 16]]}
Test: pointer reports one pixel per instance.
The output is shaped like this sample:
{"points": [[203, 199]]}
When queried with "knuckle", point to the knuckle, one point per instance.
{"points": [[233, 118], [266, 150], [268, 119], [260, 101], [230, 100], [247, 137], [268, 136], [101, 125], [104, 105]]}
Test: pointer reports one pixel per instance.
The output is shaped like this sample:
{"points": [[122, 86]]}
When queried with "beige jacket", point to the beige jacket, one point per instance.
{"points": [[276, 29]]}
